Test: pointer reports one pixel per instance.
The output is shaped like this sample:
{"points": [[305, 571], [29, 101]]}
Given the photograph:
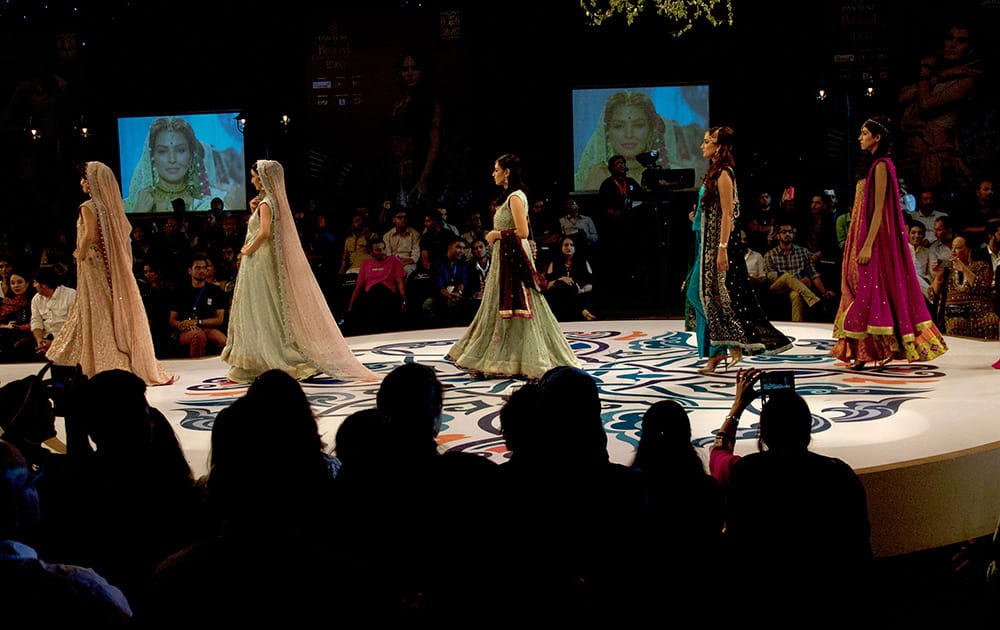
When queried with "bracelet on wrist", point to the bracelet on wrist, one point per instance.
{"points": [[723, 245]]}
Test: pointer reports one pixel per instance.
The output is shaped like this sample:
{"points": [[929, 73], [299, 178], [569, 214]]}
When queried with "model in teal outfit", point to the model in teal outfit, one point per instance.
{"points": [[727, 314]]}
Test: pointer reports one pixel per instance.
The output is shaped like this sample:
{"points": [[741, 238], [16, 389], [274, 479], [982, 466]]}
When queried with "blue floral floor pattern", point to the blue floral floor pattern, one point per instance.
{"points": [[635, 364], [903, 422]]}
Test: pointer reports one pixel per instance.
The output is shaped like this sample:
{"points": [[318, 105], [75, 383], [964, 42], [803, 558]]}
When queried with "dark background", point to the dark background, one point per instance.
{"points": [[503, 71]]}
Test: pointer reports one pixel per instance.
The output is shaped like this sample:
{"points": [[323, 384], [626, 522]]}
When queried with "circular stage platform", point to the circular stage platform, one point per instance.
{"points": [[921, 436]]}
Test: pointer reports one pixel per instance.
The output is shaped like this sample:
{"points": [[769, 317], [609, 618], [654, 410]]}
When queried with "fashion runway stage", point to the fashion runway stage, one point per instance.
{"points": [[922, 436]]}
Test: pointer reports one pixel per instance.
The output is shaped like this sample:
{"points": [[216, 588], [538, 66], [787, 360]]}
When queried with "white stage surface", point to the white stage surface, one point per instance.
{"points": [[922, 436]]}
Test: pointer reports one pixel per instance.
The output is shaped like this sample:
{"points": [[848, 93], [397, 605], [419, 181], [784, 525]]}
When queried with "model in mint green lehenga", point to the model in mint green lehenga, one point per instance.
{"points": [[511, 346], [279, 318]]}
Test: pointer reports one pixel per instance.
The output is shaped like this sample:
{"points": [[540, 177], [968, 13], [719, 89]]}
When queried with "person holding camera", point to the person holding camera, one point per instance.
{"points": [[802, 513], [882, 314], [69, 593]]}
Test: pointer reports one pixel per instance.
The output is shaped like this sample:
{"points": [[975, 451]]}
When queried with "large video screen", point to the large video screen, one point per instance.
{"points": [[193, 157], [630, 121]]}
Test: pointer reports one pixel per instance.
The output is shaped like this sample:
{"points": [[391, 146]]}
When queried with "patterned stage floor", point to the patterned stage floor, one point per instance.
{"points": [[921, 436]]}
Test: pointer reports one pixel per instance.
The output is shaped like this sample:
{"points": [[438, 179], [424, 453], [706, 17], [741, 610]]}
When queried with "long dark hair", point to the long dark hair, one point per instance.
{"points": [[723, 158], [514, 180]]}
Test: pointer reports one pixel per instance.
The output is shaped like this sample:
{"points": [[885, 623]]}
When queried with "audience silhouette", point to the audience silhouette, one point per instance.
{"points": [[560, 480], [795, 516], [36, 591], [127, 502]]}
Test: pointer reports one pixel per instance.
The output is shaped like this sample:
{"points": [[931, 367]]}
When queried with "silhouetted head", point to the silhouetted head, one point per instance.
{"points": [[572, 415], [665, 439], [361, 438], [281, 396], [411, 397], [785, 423], [112, 405], [519, 417]]}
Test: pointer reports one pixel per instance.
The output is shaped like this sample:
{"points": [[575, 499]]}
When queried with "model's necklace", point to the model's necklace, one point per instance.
{"points": [[164, 194], [169, 188]]}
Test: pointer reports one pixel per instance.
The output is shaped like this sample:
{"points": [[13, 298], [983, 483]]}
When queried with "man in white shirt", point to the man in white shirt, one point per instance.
{"points": [[403, 241], [927, 213], [573, 223], [755, 260], [756, 268], [921, 255], [940, 247], [49, 308]]}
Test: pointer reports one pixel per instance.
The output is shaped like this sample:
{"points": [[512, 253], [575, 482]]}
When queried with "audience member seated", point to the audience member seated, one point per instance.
{"points": [[792, 273], [143, 248], [448, 308], [927, 212], [37, 592], [796, 521], [359, 444], [379, 297], [965, 289], [580, 226], [420, 292], [284, 497], [403, 241], [474, 228], [234, 230], [916, 235], [354, 252], [400, 481], [435, 238], [940, 246], [49, 310], [990, 250], [198, 312], [479, 267], [442, 211], [978, 213], [6, 267], [559, 478], [761, 223], [157, 294], [228, 265], [685, 508], [173, 245], [122, 497], [15, 317], [545, 231], [570, 284], [756, 269]]}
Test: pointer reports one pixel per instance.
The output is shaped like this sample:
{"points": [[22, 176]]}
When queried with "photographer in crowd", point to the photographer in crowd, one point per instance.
{"points": [[803, 514], [122, 496]]}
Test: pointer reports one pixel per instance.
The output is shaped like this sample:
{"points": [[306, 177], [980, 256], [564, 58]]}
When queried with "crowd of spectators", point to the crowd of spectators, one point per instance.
{"points": [[385, 526]]}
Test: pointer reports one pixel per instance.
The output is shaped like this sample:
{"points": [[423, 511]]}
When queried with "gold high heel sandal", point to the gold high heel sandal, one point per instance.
{"points": [[735, 356], [713, 362]]}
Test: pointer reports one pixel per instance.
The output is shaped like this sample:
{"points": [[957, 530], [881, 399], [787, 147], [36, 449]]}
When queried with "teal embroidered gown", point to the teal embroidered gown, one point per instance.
{"points": [[517, 346]]}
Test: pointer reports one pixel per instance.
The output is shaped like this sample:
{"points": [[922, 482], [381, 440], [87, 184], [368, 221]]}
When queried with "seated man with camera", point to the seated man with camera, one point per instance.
{"points": [[803, 514]]}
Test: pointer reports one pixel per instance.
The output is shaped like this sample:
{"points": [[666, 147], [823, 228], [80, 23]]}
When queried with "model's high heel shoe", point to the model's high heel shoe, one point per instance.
{"points": [[713, 362], [884, 362], [857, 366], [735, 356]]}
